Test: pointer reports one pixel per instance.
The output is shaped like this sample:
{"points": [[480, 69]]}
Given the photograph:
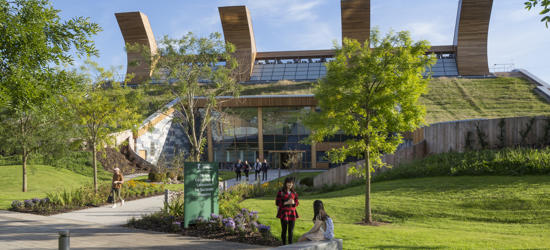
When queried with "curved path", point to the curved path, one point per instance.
{"points": [[28, 231]]}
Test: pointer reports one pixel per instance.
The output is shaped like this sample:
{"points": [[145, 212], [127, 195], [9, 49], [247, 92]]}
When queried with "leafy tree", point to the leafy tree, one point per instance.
{"points": [[372, 95], [197, 70], [34, 41], [101, 106], [530, 4]]}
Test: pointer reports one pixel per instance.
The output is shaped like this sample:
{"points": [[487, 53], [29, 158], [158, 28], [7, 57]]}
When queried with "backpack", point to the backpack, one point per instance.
{"points": [[329, 233]]}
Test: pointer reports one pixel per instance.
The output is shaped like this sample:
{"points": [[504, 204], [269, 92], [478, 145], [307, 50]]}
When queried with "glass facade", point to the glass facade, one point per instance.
{"points": [[283, 132], [235, 135]]}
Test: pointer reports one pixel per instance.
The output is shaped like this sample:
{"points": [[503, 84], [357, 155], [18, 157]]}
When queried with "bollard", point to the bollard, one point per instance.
{"points": [[166, 196], [64, 240]]}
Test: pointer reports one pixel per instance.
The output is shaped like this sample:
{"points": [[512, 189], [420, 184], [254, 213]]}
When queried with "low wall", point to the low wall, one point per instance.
{"points": [[334, 244], [457, 136]]}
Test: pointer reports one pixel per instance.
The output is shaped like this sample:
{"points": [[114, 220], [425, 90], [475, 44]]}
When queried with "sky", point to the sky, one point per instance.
{"points": [[516, 36]]}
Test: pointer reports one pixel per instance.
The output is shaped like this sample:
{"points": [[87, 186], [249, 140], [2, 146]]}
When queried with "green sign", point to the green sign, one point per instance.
{"points": [[200, 190]]}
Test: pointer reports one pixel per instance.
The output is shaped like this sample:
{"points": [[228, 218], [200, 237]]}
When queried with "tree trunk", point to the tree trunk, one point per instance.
{"points": [[368, 214], [94, 163], [25, 156]]}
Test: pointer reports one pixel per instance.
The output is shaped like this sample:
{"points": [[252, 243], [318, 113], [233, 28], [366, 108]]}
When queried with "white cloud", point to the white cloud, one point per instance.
{"points": [[431, 31]]}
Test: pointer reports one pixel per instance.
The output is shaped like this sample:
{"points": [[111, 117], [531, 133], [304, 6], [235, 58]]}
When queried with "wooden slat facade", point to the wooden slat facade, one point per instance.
{"points": [[471, 37], [266, 101], [355, 19], [135, 29], [237, 29]]}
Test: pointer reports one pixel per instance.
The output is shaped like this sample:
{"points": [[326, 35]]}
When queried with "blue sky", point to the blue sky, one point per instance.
{"points": [[515, 35]]}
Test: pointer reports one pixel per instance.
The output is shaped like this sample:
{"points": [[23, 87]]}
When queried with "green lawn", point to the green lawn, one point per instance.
{"points": [[41, 180], [431, 213], [227, 175]]}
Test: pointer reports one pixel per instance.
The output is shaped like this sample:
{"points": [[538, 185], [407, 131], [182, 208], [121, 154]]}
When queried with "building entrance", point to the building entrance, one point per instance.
{"points": [[286, 159]]}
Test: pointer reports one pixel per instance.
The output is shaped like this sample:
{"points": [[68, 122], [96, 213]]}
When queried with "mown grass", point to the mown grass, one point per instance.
{"points": [[451, 99], [433, 213], [41, 180]]}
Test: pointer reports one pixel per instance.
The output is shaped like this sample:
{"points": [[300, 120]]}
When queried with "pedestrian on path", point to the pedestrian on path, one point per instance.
{"points": [[118, 179], [287, 201], [257, 168], [237, 169], [265, 166], [246, 168]]}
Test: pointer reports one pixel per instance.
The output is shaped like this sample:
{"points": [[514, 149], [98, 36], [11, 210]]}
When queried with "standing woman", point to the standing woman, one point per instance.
{"points": [[287, 201]]}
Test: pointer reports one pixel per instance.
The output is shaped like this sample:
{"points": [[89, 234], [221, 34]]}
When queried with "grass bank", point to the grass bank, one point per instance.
{"points": [[450, 99], [431, 213]]}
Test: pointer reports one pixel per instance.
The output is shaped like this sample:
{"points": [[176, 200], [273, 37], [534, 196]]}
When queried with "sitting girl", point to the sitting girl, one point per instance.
{"points": [[323, 229]]}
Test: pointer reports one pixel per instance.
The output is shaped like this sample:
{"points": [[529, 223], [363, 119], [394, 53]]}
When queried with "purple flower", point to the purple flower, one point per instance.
{"points": [[29, 203], [264, 228], [35, 200], [176, 223], [244, 211], [16, 204], [45, 200], [230, 225]]}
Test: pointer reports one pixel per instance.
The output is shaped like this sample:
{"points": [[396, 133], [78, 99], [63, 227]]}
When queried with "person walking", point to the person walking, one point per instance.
{"points": [[257, 168], [246, 168], [323, 228], [265, 166], [237, 169], [118, 179], [287, 201]]}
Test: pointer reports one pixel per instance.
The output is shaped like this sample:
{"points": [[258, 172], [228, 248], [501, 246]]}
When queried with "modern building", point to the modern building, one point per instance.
{"points": [[270, 126]]}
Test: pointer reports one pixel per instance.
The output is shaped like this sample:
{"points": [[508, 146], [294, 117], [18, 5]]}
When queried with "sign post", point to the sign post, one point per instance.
{"points": [[200, 190]]}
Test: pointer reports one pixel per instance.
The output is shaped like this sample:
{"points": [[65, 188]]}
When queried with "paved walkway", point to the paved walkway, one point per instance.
{"points": [[272, 174], [116, 216], [28, 231]]}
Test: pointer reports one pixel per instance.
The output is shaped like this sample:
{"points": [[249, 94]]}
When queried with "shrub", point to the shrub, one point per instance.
{"points": [[307, 181], [155, 177], [16, 205], [517, 161], [171, 174]]}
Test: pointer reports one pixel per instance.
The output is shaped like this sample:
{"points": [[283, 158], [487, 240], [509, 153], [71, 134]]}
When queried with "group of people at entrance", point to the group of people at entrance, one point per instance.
{"points": [[258, 167], [287, 201]]}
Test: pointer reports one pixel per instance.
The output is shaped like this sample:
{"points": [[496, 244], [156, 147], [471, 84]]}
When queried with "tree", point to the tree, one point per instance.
{"points": [[34, 41], [101, 106], [198, 71], [372, 95], [531, 4]]}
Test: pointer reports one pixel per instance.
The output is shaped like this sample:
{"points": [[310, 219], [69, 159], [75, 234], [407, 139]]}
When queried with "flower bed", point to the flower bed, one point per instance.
{"points": [[84, 197], [243, 227]]}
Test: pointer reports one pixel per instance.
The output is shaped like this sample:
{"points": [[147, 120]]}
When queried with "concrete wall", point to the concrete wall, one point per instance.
{"points": [[162, 141]]}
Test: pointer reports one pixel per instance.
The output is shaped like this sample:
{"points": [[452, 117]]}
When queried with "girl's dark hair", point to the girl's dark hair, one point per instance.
{"points": [[288, 180], [319, 211]]}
